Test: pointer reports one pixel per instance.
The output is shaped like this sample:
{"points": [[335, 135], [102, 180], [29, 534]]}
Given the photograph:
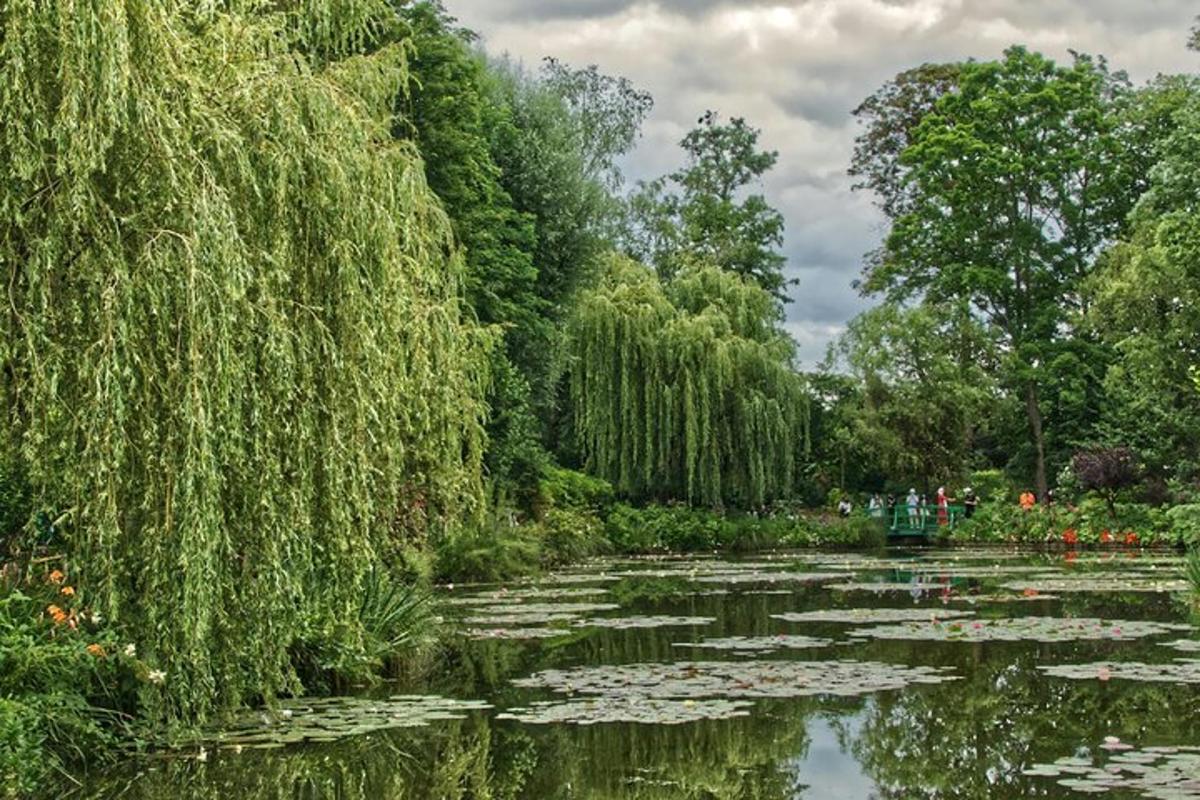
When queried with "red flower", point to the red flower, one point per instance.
{"points": [[1105, 536], [1131, 539], [1071, 536], [1028, 500]]}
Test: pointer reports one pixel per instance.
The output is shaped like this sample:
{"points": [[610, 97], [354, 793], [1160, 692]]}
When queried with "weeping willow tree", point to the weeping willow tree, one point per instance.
{"points": [[686, 391], [231, 350]]}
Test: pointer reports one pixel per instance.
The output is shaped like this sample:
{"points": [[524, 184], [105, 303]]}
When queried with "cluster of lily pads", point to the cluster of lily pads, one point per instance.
{"points": [[854, 616], [1099, 583], [694, 680], [1016, 629], [1159, 773], [331, 719], [1178, 671], [758, 644], [648, 711]]}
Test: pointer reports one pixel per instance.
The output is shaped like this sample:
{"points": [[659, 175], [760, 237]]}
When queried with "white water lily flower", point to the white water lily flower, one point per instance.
{"points": [[130, 650], [157, 676]]}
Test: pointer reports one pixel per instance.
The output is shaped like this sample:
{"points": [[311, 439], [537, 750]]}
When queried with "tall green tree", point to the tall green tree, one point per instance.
{"points": [[232, 352], [1144, 302], [686, 391], [557, 155], [707, 211], [1017, 180], [448, 111]]}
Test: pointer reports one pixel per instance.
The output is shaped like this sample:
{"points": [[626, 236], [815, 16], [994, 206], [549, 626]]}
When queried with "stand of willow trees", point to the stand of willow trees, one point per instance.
{"points": [[232, 356], [686, 391]]}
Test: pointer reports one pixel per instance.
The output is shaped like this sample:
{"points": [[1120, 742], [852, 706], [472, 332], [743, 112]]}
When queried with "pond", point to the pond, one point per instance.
{"points": [[904, 674]]}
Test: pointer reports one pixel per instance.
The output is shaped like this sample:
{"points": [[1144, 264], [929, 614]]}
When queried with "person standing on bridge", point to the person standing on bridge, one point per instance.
{"points": [[943, 506], [913, 502]]}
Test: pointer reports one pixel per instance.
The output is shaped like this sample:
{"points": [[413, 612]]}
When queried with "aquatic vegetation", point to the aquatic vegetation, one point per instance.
{"points": [[1160, 773], [854, 616], [888, 586], [516, 633], [634, 709], [330, 719], [758, 644], [632, 623], [1037, 629], [1026, 596], [1180, 670], [1185, 645], [735, 578], [1107, 583], [504, 619], [534, 609], [749, 679], [511, 597]]}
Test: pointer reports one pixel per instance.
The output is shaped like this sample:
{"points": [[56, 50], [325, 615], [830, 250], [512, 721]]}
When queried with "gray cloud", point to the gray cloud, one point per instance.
{"points": [[796, 68]]}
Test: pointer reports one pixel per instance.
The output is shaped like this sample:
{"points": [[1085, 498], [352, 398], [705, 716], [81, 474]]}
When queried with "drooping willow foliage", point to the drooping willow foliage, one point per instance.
{"points": [[231, 348], [687, 391]]}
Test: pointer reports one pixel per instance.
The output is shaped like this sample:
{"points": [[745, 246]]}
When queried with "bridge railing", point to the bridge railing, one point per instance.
{"points": [[920, 519]]}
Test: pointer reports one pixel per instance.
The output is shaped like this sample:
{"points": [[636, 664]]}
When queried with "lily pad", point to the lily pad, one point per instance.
{"points": [[628, 709], [516, 633], [854, 616], [889, 586], [1178, 671], [631, 623], [739, 680], [1098, 584], [735, 578], [758, 644], [326, 719], [1185, 645], [1017, 629], [1159, 773]]}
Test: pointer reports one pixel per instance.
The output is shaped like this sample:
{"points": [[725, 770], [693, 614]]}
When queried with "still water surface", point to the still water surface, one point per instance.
{"points": [[945, 699]]}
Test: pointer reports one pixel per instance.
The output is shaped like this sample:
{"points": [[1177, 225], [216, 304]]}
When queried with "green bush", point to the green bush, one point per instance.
{"points": [[992, 485], [568, 489], [496, 552]]}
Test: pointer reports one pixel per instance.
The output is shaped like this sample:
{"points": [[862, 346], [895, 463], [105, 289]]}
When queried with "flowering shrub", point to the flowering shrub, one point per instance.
{"points": [[65, 678]]}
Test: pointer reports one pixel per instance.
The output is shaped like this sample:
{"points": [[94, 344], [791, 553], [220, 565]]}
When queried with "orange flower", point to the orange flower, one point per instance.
{"points": [[96, 650], [1131, 539], [1105, 536], [1071, 536], [1028, 500], [56, 577], [69, 591], [57, 614]]}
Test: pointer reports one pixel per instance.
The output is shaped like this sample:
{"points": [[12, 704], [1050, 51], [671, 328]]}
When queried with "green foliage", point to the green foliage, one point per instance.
{"points": [[1010, 217], [232, 349], [555, 137], [60, 703], [569, 489], [927, 378], [992, 485], [393, 619], [686, 391], [680, 529], [1144, 301], [709, 220]]}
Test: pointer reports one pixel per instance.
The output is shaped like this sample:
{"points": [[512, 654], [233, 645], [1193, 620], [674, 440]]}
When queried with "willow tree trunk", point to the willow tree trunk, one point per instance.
{"points": [[1034, 412]]}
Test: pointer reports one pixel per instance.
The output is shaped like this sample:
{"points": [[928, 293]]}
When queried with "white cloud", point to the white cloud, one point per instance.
{"points": [[796, 69]]}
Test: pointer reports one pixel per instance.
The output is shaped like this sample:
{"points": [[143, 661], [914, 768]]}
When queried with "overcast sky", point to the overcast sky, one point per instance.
{"points": [[796, 69]]}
